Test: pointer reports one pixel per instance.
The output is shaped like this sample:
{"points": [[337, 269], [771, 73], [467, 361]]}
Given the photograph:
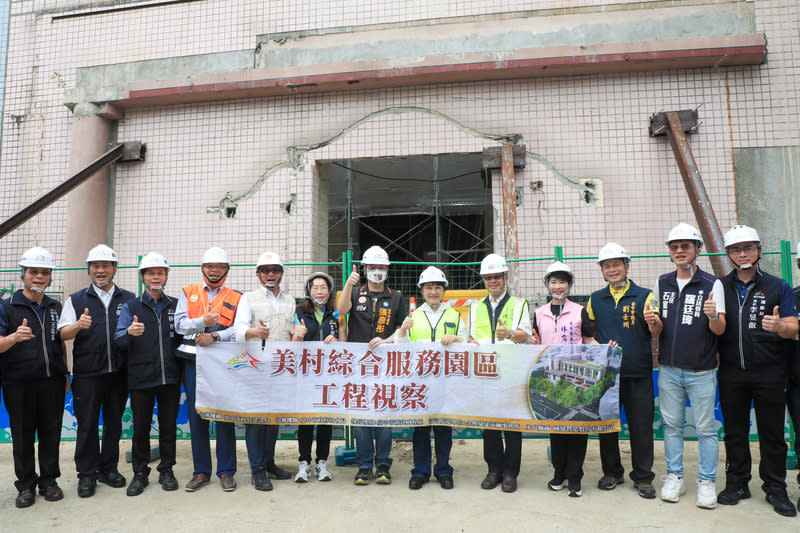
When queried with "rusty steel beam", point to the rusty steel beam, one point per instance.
{"points": [[493, 158], [123, 152], [510, 215], [675, 128]]}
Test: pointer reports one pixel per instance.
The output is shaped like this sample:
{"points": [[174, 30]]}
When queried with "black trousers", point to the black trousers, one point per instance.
{"points": [[568, 453], [502, 461], [305, 436], [636, 397], [108, 392], [36, 408], [737, 389], [142, 403], [793, 402]]}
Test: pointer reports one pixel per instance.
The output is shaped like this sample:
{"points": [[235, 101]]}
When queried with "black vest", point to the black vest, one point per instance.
{"points": [[744, 344], [374, 317], [40, 357], [686, 342], [93, 349]]}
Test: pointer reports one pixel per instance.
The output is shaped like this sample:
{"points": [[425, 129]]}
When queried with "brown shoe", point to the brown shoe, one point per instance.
{"points": [[491, 480], [197, 482], [509, 483], [227, 482]]}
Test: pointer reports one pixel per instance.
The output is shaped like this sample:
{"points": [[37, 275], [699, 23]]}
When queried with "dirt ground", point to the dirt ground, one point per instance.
{"points": [[339, 505]]}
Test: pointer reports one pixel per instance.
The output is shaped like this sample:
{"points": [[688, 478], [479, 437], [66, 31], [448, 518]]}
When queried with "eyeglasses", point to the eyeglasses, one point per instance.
{"points": [[683, 246], [750, 248], [489, 277], [270, 270]]}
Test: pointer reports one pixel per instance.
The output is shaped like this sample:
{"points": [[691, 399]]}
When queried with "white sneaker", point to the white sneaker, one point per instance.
{"points": [[302, 472], [706, 494], [322, 471], [673, 488]]}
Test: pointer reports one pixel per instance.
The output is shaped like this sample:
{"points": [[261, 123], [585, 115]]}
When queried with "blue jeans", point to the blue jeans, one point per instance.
{"points": [[366, 450], [201, 442], [675, 385], [443, 443], [260, 441]]}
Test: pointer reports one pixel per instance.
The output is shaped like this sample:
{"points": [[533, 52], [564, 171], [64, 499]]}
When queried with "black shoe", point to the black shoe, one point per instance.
{"points": [[276, 472], [780, 502], [608, 482], [416, 482], [382, 475], [558, 482], [645, 490], [574, 489], [509, 483], [731, 495], [86, 486], [140, 481], [362, 476], [25, 498], [446, 482], [260, 480], [112, 479], [491, 480], [167, 480], [53, 493]]}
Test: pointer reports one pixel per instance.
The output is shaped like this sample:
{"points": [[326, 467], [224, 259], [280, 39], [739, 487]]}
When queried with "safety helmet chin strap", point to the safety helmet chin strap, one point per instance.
{"points": [[31, 288]]}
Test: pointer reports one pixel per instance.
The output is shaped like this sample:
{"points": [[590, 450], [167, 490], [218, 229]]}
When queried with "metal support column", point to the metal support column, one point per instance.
{"points": [[675, 124], [510, 215]]}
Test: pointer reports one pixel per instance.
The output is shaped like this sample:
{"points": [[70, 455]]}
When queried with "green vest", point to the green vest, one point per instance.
{"points": [[480, 323], [423, 331]]}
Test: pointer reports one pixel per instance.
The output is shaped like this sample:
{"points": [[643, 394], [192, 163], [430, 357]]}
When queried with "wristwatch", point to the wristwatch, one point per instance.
{"points": [[215, 336]]}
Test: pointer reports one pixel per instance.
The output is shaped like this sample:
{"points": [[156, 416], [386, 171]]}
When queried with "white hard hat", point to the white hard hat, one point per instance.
{"points": [[269, 258], [431, 275], [684, 232], [153, 260], [741, 233], [215, 254], [37, 257], [375, 255], [558, 266], [101, 252], [613, 250], [314, 276], [493, 264]]}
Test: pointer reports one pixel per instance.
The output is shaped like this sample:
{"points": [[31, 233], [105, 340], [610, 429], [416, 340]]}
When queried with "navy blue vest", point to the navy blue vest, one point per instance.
{"points": [[686, 341], [744, 344], [330, 325], [151, 357], [624, 323], [94, 351], [40, 357]]}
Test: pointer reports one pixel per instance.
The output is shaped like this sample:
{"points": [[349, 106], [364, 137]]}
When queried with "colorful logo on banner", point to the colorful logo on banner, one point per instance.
{"points": [[243, 360]]}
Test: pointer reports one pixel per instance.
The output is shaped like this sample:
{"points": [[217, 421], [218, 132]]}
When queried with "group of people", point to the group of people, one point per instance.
{"points": [[740, 331]]}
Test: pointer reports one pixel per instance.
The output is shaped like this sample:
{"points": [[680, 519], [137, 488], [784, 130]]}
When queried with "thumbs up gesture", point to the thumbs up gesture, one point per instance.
{"points": [[407, 324], [502, 332], [710, 307], [24, 333], [771, 322], [649, 315], [136, 328], [85, 320], [300, 329], [354, 277]]}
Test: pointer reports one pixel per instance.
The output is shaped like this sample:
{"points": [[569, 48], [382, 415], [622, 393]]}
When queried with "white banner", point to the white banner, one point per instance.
{"points": [[558, 388]]}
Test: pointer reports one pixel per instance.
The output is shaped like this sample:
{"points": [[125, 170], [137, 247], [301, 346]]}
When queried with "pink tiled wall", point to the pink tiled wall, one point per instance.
{"points": [[586, 126]]}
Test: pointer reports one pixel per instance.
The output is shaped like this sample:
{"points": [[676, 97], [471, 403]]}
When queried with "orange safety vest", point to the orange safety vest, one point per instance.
{"points": [[224, 303]]}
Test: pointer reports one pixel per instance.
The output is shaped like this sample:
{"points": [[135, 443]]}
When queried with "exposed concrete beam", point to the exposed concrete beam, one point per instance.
{"points": [[684, 36]]}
